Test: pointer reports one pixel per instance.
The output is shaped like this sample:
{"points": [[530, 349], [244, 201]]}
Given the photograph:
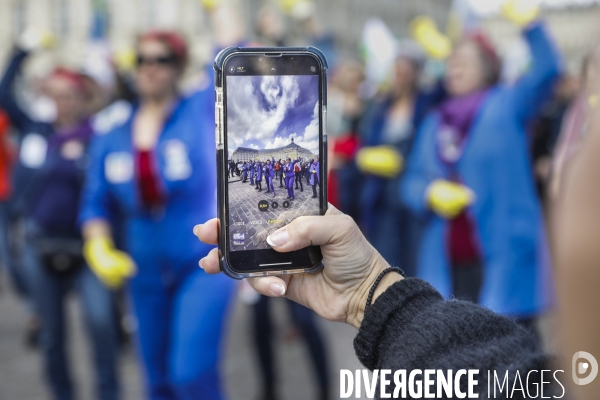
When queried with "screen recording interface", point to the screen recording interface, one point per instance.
{"points": [[273, 148]]}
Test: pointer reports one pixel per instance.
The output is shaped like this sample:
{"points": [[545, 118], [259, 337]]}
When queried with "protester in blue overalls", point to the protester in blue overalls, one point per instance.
{"points": [[259, 174], [159, 168], [48, 180], [251, 172], [288, 170], [244, 172], [315, 179], [470, 175], [270, 174]]}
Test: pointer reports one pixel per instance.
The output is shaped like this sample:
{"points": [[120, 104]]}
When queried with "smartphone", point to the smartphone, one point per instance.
{"points": [[270, 113]]}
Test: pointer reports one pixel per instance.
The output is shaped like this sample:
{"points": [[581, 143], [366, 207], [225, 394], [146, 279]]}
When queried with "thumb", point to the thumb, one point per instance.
{"points": [[307, 231]]}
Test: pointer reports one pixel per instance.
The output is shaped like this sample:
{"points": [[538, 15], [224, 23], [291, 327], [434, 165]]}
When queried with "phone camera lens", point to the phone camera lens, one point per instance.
{"points": [[231, 69]]}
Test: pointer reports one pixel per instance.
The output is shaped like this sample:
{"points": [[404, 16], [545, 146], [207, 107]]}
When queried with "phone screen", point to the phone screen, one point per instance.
{"points": [[273, 138]]}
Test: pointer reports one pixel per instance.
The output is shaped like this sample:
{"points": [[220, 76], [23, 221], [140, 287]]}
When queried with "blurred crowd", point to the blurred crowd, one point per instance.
{"points": [[448, 170]]}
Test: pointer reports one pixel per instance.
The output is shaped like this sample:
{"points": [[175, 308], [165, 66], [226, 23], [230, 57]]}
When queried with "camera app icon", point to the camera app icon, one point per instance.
{"points": [[584, 367]]}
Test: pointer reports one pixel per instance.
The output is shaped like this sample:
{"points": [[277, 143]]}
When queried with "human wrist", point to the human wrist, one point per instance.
{"points": [[388, 280], [359, 300]]}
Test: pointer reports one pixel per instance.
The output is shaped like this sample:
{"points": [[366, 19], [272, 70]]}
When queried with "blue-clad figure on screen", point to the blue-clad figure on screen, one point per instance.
{"points": [[259, 174], [244, 172], [315, 177], [270, 174], [251, 172], [288, 170]]}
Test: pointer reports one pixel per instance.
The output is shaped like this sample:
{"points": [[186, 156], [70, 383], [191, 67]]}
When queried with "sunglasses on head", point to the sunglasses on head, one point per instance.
{"points": [[160, 60]]}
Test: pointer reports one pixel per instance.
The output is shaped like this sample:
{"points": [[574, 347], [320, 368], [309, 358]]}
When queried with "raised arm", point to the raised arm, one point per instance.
{"points": [[8, 101], [530, 91]]}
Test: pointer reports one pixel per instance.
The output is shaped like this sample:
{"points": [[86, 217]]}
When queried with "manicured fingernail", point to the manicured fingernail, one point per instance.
{"points": [[277, 289], [196, 229], [200, 263], [278, 238]]}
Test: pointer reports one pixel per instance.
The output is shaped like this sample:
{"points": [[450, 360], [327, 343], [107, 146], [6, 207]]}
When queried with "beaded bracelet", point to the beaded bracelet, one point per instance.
{"points": [[376, 283]]}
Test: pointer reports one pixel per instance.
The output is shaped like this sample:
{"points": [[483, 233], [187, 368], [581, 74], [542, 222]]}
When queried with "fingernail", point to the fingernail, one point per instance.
{"points": [[200, 263], [278, 238], [196, 228], [277, 289]]}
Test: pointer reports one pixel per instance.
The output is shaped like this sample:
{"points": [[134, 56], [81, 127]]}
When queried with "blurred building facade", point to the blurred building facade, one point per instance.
{"points": [[291, 150], [73, 22]]}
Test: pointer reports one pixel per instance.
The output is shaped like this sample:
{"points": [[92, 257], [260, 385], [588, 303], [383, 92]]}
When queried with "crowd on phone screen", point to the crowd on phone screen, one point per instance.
{"points": [[282, 170], [133, 173]]}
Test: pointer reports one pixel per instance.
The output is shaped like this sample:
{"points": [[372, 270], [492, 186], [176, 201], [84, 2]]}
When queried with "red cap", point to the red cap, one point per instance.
{"points": [[488, 50], [78, 80], [173, 40]]}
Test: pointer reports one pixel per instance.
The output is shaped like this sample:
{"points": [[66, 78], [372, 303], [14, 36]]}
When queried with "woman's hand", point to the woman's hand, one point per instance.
{"points": [[339, 291]]}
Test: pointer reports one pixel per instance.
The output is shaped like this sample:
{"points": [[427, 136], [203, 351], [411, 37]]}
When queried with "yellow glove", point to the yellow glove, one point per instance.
{"points": [[109, 264], [210, 4], [384, 161], [425, 32], [448, 199], [33, 39], [521, 12], [124, 58]]}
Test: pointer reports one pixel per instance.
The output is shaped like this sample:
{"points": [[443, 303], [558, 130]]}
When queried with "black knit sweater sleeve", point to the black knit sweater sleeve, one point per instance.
{"points": [[410, 326]]}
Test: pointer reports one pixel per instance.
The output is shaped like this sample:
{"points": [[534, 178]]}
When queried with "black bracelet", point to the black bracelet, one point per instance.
{"points": [[376, 283]]}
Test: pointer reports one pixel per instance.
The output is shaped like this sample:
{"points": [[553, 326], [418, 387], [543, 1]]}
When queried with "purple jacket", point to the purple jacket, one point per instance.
{"points": [[259, 171], [289, 169]]}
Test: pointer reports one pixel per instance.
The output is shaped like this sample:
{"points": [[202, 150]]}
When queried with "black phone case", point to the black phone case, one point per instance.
{"points": [[222, 154]]}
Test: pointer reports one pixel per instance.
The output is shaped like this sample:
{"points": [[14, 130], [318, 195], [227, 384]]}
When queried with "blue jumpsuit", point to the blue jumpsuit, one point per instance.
{"points": [[251, 171], [259, 174], [315, 178], [180, 309], [289, 178], [270, 174], [244, 172]]}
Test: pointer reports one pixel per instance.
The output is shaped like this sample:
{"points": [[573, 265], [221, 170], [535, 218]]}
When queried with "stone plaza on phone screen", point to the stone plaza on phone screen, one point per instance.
{"points": [[244, 209]]}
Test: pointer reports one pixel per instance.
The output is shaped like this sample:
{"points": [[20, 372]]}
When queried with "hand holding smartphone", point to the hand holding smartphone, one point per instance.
{"points": [[270, 112]]}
